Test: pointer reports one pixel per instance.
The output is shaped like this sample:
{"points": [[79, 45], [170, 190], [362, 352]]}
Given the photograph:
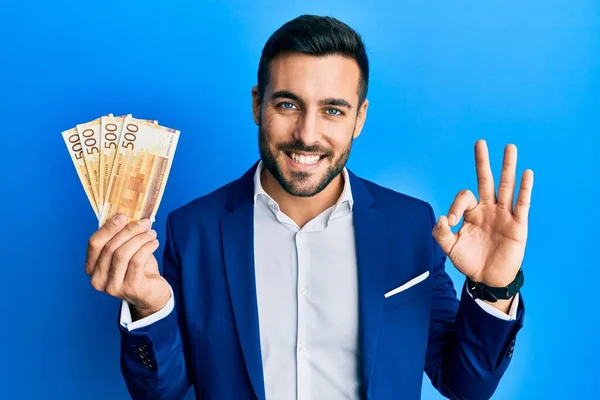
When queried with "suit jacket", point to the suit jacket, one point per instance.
{"points": [[211, 339]]}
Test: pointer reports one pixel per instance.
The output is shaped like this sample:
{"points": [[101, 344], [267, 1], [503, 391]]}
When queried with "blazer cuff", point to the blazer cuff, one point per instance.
{"points": [[146, 349], [130, 325], [492, 338]]}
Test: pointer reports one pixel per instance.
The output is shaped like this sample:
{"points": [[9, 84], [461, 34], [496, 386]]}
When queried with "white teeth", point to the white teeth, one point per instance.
{"points": [[306, 160]]}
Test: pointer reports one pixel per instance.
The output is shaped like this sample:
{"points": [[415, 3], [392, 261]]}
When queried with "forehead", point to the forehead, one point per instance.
{"points": [[315, 78]]}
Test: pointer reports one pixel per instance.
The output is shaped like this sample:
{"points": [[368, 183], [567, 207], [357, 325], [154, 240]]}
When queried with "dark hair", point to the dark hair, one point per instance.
{"points": [[316, 36]]}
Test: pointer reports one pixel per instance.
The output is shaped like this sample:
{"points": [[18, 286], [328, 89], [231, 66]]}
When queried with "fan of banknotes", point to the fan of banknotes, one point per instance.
{"points": [[123, 164]]}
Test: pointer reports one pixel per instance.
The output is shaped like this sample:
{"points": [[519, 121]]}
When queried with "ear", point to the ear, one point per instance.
{"points": [[256, 105], [361, 117]]}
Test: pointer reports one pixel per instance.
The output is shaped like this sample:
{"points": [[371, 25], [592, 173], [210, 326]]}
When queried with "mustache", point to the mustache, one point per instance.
{"points": [[298, 146]]}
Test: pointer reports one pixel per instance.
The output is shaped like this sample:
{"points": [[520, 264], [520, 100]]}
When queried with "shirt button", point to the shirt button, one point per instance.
{"points": [[302, 291]]}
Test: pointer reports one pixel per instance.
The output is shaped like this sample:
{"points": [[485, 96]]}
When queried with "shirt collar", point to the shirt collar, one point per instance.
{"points": [[345, 199]]}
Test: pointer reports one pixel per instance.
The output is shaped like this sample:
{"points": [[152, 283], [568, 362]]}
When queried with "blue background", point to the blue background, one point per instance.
{"points": [[444, 74]]}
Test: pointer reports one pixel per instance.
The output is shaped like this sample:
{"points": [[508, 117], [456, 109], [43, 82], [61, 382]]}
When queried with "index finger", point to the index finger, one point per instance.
{"points": [[99, 239], [485, 180]]}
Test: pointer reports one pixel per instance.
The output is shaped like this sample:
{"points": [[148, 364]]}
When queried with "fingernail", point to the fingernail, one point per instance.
{"points": [[451, 219], [143, 222], [152, 233], [120, 218]]}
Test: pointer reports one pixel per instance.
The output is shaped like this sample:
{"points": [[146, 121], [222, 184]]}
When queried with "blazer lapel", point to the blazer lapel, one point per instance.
{"points": [[371, 241], [237, 235]]}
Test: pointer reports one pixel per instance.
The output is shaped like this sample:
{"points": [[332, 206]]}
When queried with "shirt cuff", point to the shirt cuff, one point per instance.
{"points": [[127, 323], [512, 313]]}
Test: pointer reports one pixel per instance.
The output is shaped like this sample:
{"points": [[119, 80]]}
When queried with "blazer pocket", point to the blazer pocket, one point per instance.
{"points": [[407, 292]]}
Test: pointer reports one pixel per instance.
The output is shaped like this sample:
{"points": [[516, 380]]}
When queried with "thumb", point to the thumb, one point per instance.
{"points": [[443, 234]]}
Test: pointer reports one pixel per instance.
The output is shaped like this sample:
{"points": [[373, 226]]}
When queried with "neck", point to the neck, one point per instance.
{"points": [[302, 209]]}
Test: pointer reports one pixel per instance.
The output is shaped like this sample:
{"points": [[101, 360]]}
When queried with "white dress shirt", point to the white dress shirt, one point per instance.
{"points": [[307, 293]]}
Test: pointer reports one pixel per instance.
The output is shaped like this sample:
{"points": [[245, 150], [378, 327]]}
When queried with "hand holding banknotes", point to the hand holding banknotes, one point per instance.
{"points": [[121, 262], [123, 164]]}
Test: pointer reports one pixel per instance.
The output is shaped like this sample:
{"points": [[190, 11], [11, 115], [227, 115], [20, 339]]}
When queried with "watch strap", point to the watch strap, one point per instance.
{"points": [[480, 290]]}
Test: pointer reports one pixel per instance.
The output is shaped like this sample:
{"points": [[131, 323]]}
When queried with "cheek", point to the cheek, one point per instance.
{"points": [[278, 128], [339, 128], [339, 136]]}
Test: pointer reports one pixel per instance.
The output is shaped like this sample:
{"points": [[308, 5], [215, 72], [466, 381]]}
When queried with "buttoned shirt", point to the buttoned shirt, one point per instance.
{"points": [[307, 292]]}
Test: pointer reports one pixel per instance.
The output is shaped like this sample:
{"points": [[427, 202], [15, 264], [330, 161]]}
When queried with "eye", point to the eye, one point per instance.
{"points": [[334, 112], [287, 105]]}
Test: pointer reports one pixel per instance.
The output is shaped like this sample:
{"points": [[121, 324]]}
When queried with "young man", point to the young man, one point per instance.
{"points": [[301, 280]]}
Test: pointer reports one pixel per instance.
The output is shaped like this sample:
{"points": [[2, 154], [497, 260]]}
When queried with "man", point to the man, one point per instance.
{"points": [[301, 280]]}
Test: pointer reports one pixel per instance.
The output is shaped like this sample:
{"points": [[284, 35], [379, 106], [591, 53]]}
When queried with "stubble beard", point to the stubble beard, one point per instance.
{"points": [[297, 185]]}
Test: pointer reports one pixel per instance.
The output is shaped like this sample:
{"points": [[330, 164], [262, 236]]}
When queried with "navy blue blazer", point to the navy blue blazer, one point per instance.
{"points": [[211, 339]]}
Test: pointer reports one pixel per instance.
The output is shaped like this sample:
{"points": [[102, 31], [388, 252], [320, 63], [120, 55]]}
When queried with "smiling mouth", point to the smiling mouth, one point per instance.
{"points": [[305, 159]]}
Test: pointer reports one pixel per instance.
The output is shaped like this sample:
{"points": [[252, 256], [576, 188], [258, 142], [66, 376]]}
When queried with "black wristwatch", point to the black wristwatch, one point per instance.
{"points": [[493, 294]]}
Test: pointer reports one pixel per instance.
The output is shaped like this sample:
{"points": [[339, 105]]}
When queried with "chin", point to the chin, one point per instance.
{"points": [[302, 183], [299, 190]]}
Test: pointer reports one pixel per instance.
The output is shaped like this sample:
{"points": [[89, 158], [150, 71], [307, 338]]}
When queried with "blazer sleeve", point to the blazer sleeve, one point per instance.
{"points": [[153, 362], [468, 349]]}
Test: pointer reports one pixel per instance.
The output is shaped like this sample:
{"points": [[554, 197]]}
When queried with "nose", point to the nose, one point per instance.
{"points": [[307, 128]]}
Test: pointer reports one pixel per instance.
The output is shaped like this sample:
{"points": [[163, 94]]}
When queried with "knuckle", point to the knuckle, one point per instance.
{"points": [[112, 290], [97, 283], [111, 247], [93, 242], [119, 257], [88, 268], [136, 261]]}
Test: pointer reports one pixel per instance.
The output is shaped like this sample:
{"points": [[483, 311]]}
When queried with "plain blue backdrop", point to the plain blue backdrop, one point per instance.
{"points": [[444, 74]]}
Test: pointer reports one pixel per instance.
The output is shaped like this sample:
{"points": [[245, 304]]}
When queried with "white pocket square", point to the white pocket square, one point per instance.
{"points": [[408, 284]]}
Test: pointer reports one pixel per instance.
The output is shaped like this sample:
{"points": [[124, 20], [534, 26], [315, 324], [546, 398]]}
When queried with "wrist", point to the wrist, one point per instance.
{"points": [[496, 280], [493, 294], [146, 308]]}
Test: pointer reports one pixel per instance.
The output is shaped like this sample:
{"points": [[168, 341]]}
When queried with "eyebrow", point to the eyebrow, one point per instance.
{"points": [[329, 101]]}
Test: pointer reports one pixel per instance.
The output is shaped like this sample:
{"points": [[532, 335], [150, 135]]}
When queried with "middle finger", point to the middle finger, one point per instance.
{"points": [[506, 188]]}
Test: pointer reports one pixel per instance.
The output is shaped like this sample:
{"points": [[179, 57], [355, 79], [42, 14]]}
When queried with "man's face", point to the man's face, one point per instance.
{"points": [[308, 119]]}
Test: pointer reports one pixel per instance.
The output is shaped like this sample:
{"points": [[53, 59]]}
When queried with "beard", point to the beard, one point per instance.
{"points": [[299, 183]]}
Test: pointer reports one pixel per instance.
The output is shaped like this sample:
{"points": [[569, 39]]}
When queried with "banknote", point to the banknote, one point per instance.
{"points": [[140, 170], [110, 133], [73, 142], [89, 134]]}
